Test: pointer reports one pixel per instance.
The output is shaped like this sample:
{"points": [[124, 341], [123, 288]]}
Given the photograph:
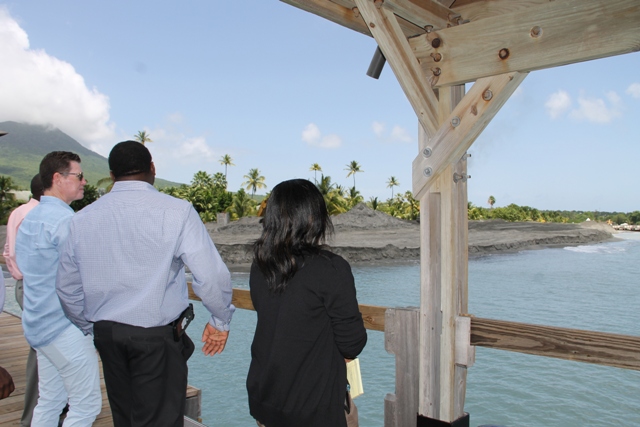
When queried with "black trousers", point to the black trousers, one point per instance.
{"points": [[145, 371]]}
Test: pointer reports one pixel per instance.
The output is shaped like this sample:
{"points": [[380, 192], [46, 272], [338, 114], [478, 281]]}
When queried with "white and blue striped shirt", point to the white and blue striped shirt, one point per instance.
{"points": [[124, 261]]}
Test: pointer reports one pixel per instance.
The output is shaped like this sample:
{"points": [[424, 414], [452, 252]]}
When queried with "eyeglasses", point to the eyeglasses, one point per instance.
{"points": [[79, 175]]}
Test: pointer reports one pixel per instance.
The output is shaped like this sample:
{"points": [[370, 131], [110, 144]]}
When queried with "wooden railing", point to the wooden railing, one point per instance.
{"points": [[620, 351]]}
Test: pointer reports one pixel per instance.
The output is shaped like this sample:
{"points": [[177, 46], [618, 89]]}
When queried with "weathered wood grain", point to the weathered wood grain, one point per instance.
{"points": [[540, 36], [621, 351]]}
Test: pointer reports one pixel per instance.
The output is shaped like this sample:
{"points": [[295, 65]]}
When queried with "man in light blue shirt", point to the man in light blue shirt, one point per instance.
{"points": [[67, 360], [122, 275]]}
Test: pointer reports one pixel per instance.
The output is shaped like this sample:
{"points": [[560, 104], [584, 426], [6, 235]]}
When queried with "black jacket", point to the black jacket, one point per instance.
{"points": [[297, 375]]}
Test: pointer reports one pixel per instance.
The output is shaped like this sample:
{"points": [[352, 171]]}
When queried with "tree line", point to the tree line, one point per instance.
{"points": [[209, 195]]}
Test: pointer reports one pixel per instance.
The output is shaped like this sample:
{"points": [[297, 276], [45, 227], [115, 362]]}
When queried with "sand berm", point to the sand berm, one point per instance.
{"points": [[363, 235]]}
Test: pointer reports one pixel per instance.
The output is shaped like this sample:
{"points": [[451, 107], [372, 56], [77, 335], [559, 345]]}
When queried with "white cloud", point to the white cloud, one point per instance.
{"points": [[378, 129], [312, 136], [40, 89], [634, 90], [398, 134], [598, 110], [558, 103]]}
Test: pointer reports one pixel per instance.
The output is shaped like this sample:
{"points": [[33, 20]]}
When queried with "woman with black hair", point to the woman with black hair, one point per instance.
{"points": [[308, 316]]}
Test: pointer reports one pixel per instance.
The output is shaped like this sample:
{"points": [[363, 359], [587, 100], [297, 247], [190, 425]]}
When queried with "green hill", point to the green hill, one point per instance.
{"points": [[24, 146]]}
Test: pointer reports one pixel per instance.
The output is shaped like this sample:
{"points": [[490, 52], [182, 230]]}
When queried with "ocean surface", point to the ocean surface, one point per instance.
{"points": [[592, 287]]}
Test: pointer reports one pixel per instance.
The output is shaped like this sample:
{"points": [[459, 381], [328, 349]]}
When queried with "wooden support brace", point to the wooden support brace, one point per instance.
{"points": [[464, 125], [395, 47]]}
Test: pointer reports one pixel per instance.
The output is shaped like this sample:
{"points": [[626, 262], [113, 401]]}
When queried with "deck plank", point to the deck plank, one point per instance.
{"points": [[13, 357]]}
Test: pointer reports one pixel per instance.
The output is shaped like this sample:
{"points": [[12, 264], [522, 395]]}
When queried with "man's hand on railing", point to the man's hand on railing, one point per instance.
{"points": [[214, 340]]}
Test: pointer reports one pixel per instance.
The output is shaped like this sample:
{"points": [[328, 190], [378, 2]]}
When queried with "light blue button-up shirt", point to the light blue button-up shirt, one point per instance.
{"points": [[40, 238], [124, 261]]}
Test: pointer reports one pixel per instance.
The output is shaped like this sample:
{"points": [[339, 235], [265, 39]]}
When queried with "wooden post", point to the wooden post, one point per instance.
{"points": [[443, 260], [400, 337]]}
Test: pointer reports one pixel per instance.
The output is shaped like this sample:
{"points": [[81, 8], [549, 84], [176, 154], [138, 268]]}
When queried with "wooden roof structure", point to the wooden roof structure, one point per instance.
{"points": [[434, 48]]}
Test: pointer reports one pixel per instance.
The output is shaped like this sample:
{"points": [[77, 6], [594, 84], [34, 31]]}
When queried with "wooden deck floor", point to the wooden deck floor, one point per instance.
{"points": [[13, 357]]}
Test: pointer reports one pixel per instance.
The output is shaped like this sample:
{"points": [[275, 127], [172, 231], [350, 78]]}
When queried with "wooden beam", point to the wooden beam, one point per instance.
{"points": [[621, 351], [423, 13], [345, 13], [464, 125], [395, 47], [474, 10], [542, 36], [333, 12]]}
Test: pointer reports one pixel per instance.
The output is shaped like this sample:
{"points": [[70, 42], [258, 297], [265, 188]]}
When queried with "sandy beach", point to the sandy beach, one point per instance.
{"points": [[363, 235]]}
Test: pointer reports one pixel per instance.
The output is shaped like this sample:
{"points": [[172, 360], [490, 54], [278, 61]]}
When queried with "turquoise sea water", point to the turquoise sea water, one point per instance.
{"points": [[593, 287]]}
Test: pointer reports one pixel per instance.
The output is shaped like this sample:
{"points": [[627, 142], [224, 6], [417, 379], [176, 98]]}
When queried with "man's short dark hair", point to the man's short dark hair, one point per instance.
{"points": [[56, 161], [36, 187], [129, 158]]}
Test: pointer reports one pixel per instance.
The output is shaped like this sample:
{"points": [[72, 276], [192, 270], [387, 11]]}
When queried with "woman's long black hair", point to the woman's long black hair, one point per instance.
{"points": [[295, 223]]}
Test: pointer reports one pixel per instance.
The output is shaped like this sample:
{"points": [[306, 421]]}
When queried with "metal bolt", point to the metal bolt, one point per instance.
{"points": [[428, 28], [487, 95], [372, 25], [536, 32], [427, 172], [436, 57], [427, 152], [436, 71], [455, 121], [435, 43], [504, 53], [459, 177]]}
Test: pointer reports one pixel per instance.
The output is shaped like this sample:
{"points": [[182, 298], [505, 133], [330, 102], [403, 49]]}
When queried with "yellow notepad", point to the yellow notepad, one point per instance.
{"points": [[355, 378]]}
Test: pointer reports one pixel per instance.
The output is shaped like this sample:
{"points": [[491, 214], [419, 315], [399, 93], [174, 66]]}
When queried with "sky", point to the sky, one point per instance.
{"points": [[279, 89]]}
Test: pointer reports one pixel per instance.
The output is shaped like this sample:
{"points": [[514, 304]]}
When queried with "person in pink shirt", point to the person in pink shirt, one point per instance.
{"points": [[15, 219], [9, 254]]}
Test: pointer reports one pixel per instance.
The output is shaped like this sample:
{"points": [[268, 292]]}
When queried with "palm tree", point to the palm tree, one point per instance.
{"points": [[242, 205], [353, 169], [315, 168], [254, 181], [226, 160], [353, 197], [373, 203], [491, 201], [105, 181], [393, 182], [332, 195], [202, 179], [142, 136]]}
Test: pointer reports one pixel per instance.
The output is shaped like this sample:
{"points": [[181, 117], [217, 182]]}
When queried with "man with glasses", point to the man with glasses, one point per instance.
{"points": [[67, 360]]}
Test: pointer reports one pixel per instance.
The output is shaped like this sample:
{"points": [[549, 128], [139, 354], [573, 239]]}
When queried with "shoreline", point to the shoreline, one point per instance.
{"points": [[364, 236]]}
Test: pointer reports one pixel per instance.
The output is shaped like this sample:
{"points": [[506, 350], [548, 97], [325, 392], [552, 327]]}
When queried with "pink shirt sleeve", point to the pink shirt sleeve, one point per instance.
{"points": [[9, 253]]}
